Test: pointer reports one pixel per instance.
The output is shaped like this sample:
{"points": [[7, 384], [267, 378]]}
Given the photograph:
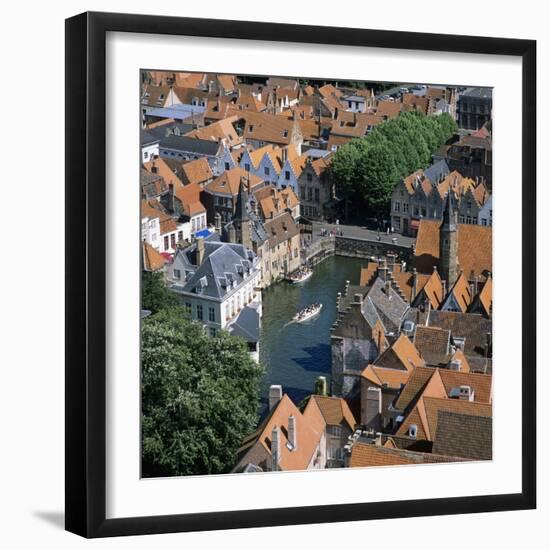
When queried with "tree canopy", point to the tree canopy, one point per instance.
{"points": [[154, 294], [366, 169], [200, 396]]}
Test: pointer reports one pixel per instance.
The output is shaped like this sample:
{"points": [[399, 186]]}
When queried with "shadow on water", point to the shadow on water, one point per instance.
{"points": [[295, 354], [316, 355]]}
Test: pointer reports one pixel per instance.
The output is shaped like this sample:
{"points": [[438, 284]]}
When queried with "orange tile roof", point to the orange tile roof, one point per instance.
{"points": [[475, 247], [229, 182], [461, 292], [366, 455], [402, 354], [268, 127], [189, 196], [277, 202], [196, 171], [486, 296], [389, 109], [159, 166], [335, 410], [153, 209], [309, 429], [381, 376], [217, 131], [417, 102], [151, 259]]}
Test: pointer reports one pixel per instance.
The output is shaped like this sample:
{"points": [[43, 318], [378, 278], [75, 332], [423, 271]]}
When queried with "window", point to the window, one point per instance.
{"points": [[211, 314], [287, 175], [309, 177], [316, 195], [173, 240], [247, 167], [483, 221], [146, 155], [334, 430], [226, 165], [180, 236], [199, 312], [166, 242], [416, 211], [461, 219], [397, 206], [188, 307], [469, 219], [405, 208], [177, 274], [251, 128], [309, 194], [212, 332], [303, 193], [266, 170], [335, 453]]}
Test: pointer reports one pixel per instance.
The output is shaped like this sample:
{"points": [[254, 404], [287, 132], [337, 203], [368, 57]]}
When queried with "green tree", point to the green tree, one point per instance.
{"points": [[366, 169], [154, 294], [200, 396]]}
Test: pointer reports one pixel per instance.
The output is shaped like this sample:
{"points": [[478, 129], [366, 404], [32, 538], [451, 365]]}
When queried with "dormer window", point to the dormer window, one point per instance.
{"points": [[251, 128], [285, 133]]}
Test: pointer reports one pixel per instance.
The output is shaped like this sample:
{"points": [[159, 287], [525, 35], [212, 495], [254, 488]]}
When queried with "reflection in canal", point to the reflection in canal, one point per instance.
{"points": [[294, 354]]}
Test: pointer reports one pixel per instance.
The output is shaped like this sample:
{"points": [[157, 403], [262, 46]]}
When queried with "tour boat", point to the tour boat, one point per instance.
{"points": [[308, 313], [300, 276]]}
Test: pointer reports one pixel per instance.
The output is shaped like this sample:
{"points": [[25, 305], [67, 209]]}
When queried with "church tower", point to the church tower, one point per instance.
{"points": [[448, 243], [241, 218]]}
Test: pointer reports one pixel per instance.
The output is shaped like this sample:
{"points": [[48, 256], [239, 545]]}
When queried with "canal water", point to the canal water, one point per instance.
{"points": [[295, 354]]}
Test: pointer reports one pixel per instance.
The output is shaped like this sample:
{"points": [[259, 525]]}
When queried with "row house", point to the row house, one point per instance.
{"points": [[422, 195], [161, 230], [289, 439]]}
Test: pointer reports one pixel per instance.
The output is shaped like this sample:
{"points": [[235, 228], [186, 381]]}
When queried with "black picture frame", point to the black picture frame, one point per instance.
{"points": [[86, 274]]}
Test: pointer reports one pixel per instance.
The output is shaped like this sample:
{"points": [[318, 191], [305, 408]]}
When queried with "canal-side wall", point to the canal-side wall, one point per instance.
{"points": [[353, 247]]}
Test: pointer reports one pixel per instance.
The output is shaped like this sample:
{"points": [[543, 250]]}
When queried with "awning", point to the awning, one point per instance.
{"points": [[202, 233]]}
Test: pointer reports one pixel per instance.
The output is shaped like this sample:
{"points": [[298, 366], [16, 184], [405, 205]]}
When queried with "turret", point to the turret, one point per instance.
{"points": [[448, 243]]}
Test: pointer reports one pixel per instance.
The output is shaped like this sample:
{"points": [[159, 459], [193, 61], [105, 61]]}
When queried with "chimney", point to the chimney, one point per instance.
{"points": [[284, 154], [171, 201], [275, 449], [373, 408], [275, 395], [292, 432], [414, 283], [321, 385], [354, 119], [200, 250]]}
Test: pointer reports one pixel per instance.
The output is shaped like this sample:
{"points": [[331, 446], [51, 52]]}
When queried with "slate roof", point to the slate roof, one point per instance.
{"points": [[147, 138], [190, 145], [223, 263], [160, 131], [471, 326], [437, 171], [464, 435], [246, 325], [388, 305], [433, 343]]}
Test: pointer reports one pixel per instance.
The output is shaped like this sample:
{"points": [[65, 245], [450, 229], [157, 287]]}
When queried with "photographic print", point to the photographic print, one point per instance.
{"points": [[316, 273]]}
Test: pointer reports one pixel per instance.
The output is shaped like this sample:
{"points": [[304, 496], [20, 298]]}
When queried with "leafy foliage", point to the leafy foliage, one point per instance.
{"points": [[200, 396], [154, 294], [367, 169]]}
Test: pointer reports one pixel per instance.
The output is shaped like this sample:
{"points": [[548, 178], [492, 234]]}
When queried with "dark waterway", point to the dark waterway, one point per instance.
{"points": [[295, 354]]}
